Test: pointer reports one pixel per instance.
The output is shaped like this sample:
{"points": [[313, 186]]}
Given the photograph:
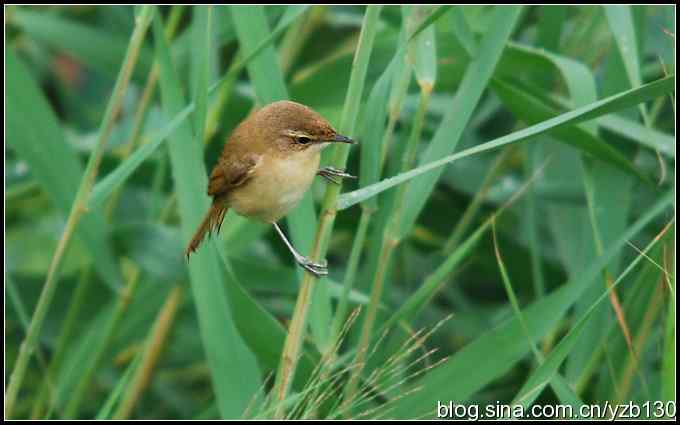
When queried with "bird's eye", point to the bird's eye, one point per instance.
{"points": [[303, 140]]}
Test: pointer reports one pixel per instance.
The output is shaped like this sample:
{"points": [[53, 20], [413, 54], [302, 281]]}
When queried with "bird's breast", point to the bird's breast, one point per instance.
{"points": [[276, 186]]}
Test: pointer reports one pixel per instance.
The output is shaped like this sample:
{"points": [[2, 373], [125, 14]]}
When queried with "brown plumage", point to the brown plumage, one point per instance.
{"points": [[266, 165]]}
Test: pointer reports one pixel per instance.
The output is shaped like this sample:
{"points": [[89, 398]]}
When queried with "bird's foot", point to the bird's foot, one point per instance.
{"points": [[317, 269], [330, 174]]}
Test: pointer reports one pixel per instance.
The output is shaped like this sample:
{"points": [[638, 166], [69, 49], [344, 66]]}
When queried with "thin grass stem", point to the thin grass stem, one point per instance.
{"points": [[46, 296]]}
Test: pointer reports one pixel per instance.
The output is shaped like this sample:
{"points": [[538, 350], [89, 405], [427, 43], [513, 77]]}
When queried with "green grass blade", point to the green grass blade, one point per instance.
{"points": [[35, 134], [577, 77], [621, 22], [611, 104], [644, 136], [461, 29], [470, 91], [437, 278], [429, 20], [251, 25], [235, 374], [107, 409], [372, 132], [264, 334], [620, 19], [117, 177], [422, 52], [16, 302], [201, 25], [47, 293], [557, 382], [550, 30], [90, 45], [609, 201], [372, 136], [544, 373], [532, 110], [668, 377], [423, 61], [157, 249], [461, 375]]}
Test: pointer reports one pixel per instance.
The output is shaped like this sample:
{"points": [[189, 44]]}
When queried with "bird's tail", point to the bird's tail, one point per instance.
{"points": [[211, 223]]}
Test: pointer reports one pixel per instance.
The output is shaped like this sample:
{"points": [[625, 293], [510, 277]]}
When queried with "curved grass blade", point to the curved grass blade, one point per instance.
{"points": [[264, 334], [373, 129]]}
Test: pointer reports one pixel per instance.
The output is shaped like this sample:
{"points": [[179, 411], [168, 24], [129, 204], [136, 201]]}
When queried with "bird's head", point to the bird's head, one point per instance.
{"points": [[291, 127]]}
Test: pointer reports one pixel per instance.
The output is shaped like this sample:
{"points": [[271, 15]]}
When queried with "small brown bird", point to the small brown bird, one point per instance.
{"points": [[266, 166]]}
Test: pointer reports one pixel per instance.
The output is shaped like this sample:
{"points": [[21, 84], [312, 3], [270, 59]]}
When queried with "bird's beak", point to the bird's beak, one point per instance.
{"points": [[342, 139]]}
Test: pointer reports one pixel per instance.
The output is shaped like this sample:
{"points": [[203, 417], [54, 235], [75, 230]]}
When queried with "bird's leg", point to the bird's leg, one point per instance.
{"points": [[330, 174], [316, 269]]}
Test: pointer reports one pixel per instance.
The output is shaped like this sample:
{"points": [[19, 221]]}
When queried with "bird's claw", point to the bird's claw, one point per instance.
{"points": [[317, 269], [330, 174]]}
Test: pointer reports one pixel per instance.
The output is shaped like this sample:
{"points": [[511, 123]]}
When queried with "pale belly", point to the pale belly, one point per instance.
{"points": [[275, 189]]}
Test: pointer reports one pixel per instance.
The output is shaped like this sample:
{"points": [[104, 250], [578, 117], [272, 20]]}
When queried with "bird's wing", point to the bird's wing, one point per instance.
{"points": [[231, 171]]}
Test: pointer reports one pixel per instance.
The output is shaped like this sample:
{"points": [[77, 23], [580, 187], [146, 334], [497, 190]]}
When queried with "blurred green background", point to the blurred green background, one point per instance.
{"points": [[507, 253]]}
